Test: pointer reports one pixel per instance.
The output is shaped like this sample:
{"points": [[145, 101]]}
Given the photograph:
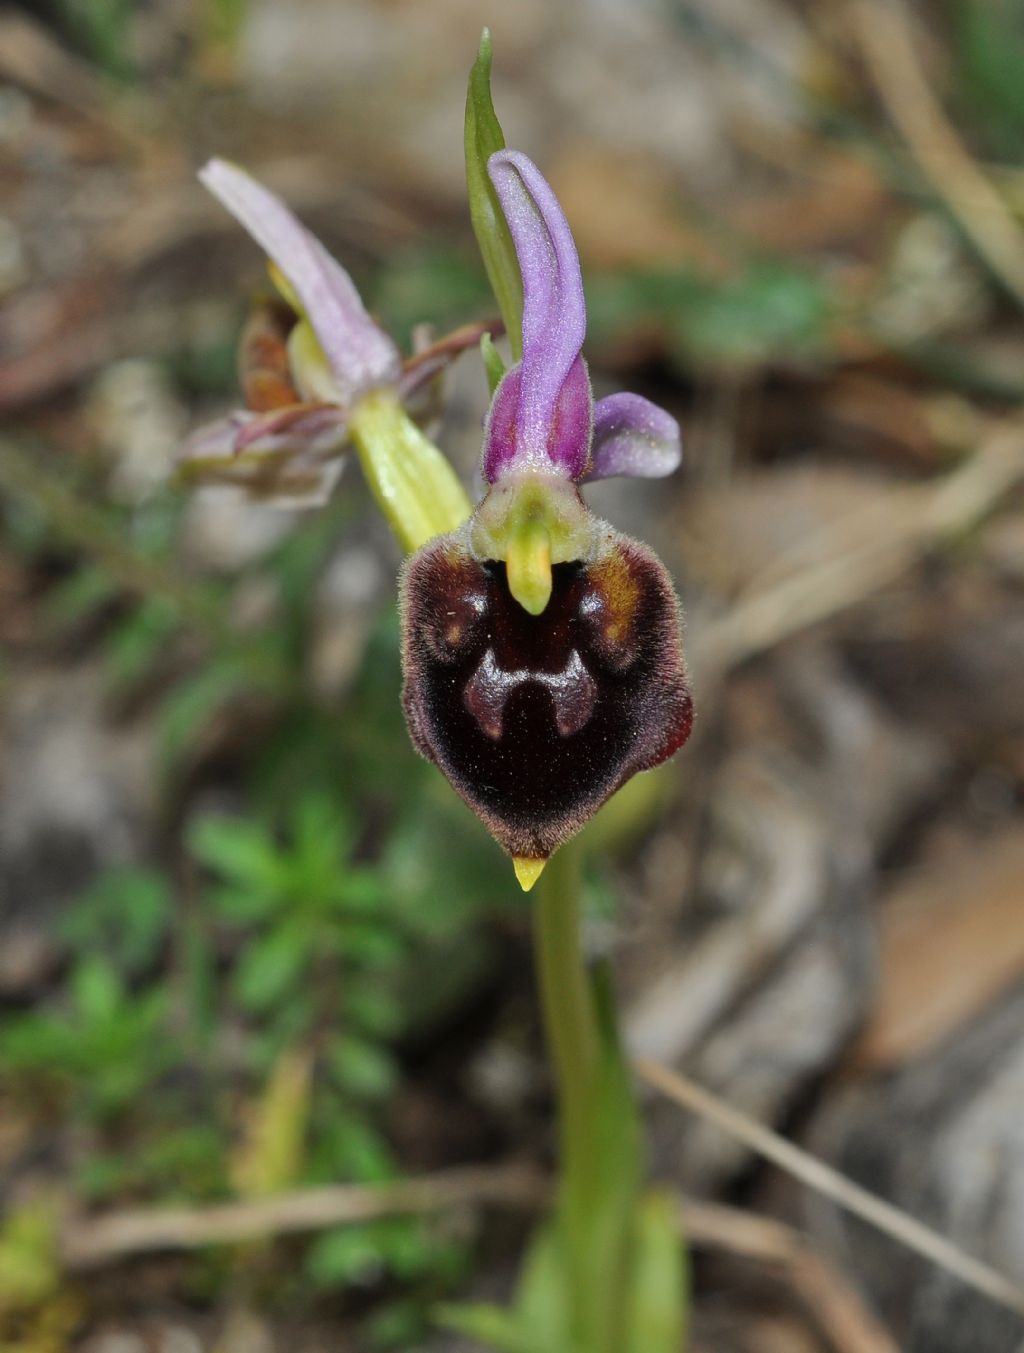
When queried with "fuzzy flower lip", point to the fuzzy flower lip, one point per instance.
{"points": [[543, 416], [361, 356], [536, 720]]}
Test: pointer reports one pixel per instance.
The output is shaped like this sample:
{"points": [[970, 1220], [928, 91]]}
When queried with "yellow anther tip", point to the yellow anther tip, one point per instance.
{"points": [[527, 871], [533, 599], [528, 568]]}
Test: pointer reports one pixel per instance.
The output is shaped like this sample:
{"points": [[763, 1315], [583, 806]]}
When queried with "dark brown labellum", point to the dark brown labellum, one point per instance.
{"points": [[537, 720]]}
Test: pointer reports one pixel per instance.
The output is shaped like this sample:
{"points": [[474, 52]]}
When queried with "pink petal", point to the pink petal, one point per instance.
{"points": [[633, 437], [361, 355]]}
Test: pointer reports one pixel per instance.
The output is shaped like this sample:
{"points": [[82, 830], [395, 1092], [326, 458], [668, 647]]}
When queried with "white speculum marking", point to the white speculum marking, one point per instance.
{"points": [[573, 692]]}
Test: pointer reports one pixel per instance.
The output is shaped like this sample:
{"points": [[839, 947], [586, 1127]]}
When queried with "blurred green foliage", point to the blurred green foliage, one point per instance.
{"points": [[767, 309], [989, 49], [240, 1015], [329, 912], [103, 30], [431, 279]]}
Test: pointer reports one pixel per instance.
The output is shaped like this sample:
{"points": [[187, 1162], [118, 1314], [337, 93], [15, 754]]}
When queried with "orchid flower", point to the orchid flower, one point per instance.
{"points": [[319, 376], [542, 655]]}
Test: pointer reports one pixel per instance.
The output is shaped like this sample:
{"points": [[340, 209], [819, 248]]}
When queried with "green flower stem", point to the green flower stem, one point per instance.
{"points": [[413, 483], [567, 1002], [573, 1036]]}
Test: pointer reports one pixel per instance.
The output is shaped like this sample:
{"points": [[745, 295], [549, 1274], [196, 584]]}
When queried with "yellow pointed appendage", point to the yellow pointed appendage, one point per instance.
{"points": [[527, 871]]}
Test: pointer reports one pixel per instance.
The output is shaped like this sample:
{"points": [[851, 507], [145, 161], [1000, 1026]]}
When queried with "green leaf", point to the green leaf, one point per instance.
{"points": [[498, 1328], [347, 1254], [106, 30], [270, 968], [494, 364], [322, 829], [544, 1296], [79, 596], [362, 892], [410, 1248], [98, 990], [138, 643], [348, 1147], [239, 905], [482, 138], [236, 849], [361, 1067], [125, 915], [374, 1008], [657, 1304], [396, 1325], [270, 1156], [373, 946], [986, 55], [767, 310], [194, 704], [29, 1268], [398, 1245], [771, 307]]}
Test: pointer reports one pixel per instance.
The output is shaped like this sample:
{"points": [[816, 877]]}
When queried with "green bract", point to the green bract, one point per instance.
{"points": [[484, 137]]}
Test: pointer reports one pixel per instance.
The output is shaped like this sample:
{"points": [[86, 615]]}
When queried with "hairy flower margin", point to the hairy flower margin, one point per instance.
{"points": [[541, 648]]}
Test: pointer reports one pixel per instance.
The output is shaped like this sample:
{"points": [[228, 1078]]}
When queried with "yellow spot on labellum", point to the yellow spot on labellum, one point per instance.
{"points": [[527, 871], [621, 594]]}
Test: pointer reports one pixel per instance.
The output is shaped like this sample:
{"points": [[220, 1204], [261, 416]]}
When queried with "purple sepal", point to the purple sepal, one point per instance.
{"points": [[633, 437], [541, 415], [568, 444], [360, 354]]}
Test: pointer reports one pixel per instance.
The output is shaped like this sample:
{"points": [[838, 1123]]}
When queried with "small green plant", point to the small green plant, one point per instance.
{"points": [[317, 941], [322, 950], [112, 1050], [102, 1042]]}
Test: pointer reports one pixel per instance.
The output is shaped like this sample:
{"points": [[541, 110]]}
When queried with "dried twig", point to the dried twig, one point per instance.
{"points": [[30, 57], [675, 1010], [88, 1244], [883, 29], [831, 1184], [879, 550], [836, 1304]]}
